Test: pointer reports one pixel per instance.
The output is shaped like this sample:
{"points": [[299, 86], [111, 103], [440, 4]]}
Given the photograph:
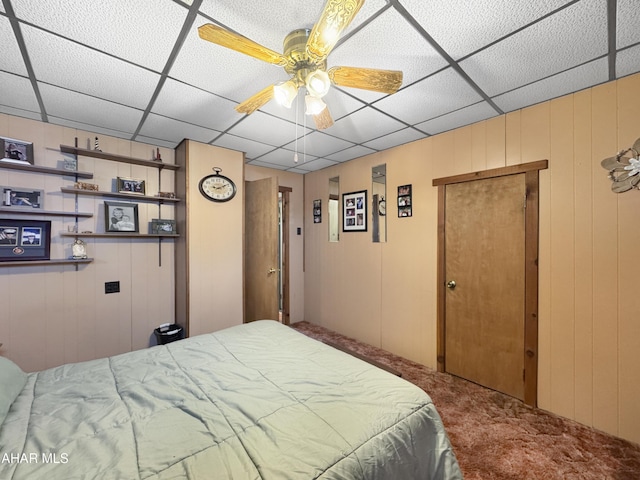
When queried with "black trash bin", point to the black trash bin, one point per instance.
{"points": [[169, 332]]}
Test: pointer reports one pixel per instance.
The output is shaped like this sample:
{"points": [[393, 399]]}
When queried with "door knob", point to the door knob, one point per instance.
{"points": [[451, 284], [272, 270]]}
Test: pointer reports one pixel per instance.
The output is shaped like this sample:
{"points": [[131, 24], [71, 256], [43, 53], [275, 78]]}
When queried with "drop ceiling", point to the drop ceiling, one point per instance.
{"points": [[138, 69]]}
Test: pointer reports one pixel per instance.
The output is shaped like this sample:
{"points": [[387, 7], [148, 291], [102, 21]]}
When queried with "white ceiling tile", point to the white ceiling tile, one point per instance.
{"points": [[628, 19], [193, 105], [175, 131], [16, 112], [459, 118], [11, 58], [573, 80], [439, 94], [319, 144], [228, 73], [374, 47], [250, 148], [573, 36], [394, 139], [88, 127], [267, 129], [462, 27], [258, 163], [282, 157], [312, 165], [89, 110], [143, 32], [628, 61], [364, 125], [17, 92], [84, 70], [155, 141], [356, 151]]}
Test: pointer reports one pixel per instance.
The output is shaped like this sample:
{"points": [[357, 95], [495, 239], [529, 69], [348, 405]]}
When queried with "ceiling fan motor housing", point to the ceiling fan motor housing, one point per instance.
{"points": [[295, 49]]}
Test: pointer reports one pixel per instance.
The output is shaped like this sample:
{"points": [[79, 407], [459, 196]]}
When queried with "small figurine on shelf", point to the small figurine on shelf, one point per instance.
{"points": [[158, 158], [79, 250], [96, 146]]}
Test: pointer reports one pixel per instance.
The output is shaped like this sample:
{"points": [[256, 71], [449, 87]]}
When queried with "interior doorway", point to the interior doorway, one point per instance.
{"points": [[284, 313], [488, 278]]}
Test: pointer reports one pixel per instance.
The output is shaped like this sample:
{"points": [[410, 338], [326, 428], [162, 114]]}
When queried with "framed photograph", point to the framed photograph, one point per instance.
{"points": [[22, 198], [130, 185], [120, 217], [17, 151], [24, 240], [354, 211], [317, 211], [160, 226], [404, 201]]}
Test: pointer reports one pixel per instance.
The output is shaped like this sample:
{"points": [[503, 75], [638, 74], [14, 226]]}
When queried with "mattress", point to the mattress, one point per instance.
{"points": [[254, 401]]}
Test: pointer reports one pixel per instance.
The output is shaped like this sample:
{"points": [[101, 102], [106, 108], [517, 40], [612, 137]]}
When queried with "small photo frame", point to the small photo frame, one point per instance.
{"points": [[120, 217], [24, 240], [22, 198], [16, 151], [161, 226], [354, 211], [405, 207], [317, 211], [130, 185]]}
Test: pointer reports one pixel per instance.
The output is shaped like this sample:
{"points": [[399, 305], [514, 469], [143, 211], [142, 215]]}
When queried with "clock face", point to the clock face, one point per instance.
{"points": [[217, 188]]}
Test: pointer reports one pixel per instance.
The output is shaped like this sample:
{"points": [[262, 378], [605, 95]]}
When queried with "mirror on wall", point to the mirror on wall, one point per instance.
{"points": [[379, 203], [333, 208]]}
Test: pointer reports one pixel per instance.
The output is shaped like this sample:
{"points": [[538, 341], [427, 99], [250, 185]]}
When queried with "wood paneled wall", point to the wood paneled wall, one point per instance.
{"points": [[589, 330], [50, 315]]}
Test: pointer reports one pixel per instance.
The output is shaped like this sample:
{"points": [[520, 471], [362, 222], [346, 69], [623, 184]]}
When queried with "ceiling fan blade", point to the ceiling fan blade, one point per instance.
{"points": [[323, 119], [336, 16], [234, 41], [253, 103], [385, 81]]}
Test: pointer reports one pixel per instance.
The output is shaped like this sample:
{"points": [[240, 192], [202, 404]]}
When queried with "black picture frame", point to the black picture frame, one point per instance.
{"points": [[405, 203], [24, 240], [160, 226], [17, 151], [22, 198], [120, 217], [317, 211], [130, 186], [354, 211]]}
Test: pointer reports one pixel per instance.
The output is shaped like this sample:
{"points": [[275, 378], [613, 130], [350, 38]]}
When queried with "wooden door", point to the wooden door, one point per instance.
{"points": [[261, 250], [485, 257]]}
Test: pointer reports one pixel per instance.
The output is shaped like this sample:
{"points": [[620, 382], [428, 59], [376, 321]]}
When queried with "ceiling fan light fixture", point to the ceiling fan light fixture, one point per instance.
{"points": [[318, 83], [314, 105], [285, 93]]}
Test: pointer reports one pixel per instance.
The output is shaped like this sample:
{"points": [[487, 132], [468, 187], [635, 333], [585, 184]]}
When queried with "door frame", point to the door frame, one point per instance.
{"points": [[284, 250], [532, 215]]}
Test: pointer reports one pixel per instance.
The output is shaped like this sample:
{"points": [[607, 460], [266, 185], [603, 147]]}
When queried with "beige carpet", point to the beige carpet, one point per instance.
{"points": [[497, 437]]}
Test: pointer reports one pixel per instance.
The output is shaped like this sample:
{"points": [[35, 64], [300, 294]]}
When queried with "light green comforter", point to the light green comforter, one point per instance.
{"points": [[256, 401]]}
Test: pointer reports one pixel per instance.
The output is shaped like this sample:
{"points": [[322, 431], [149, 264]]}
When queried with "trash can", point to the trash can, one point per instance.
{"points": [[168, 332]]}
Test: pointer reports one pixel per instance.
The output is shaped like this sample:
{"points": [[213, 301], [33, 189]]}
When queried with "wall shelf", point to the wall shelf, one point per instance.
{"points": [[47, 170], [60, 261], [130, 196], [117, 158], [57, 213], [119, 234]]}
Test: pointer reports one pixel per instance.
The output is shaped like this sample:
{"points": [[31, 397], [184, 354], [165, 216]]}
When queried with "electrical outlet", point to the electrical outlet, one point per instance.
{"points": [[111, 287]]}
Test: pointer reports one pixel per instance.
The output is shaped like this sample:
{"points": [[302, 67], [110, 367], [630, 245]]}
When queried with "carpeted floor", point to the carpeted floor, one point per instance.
{"points": [[496, 436]]}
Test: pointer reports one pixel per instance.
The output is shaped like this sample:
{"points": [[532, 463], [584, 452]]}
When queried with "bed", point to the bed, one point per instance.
{"points": [[254, 401]]}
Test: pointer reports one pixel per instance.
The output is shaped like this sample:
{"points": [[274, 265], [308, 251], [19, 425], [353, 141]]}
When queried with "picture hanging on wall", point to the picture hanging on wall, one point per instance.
{"points": [[24, 240], [317, 211], [120, 217], [405, 207], [354, 211], [16, 151], [22, 198]]}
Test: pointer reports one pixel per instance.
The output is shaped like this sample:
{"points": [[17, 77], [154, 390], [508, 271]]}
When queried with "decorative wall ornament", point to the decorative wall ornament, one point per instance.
{"points": [[624, 168]]}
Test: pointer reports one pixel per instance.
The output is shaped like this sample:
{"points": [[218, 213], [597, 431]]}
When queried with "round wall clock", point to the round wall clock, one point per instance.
{"points": [[382, 207], [216, 187]]}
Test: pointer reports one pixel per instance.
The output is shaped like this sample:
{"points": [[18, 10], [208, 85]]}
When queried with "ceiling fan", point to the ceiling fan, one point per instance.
{"points": [[305, 60]]}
